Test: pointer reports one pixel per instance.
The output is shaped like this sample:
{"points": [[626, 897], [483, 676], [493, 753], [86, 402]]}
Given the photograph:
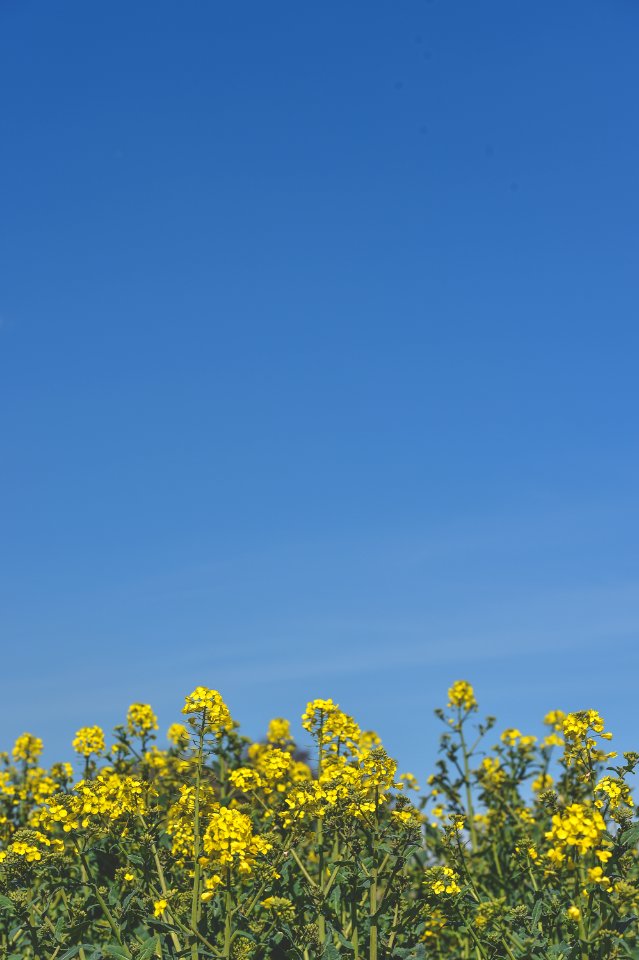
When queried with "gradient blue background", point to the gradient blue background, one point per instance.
{"points": [[318, 360]]}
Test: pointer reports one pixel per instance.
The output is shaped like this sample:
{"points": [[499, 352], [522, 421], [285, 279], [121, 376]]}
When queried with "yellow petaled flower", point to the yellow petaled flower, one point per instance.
{"points": [[207, 706], [280, 906], [331, 726], [574, 913], [273, 763], [159, 906], [229, 840], [60, 814], [129, 877], [157, 759], [603, 855], [409, 780], [245, 778], [490, 772], [141, 720], [443, 880], [109, 796], [62, 772], [510, 736], [525, 815], [616, 790], [555, 719], [462, 695], [279, 731], [408, 817], [576, 725], [543, 782], [368, 740], [27, 748], [576, 826], [178, 735], [580, 730], [26, 850], [553, 740], [181, 817], [527, 740], [596, 875], [89, 740], [211, 884]]}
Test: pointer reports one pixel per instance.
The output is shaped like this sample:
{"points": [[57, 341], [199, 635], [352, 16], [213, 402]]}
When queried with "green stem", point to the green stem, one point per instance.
{"points": [[373, 908], [161, 878], [228, 914], [197, 869], [469, 795], [373, 915], [319, 835]]}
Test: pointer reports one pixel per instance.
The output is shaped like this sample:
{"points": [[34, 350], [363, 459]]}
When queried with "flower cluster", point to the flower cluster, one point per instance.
{"points": [[27, 748], [89, 741], [230, 845], [141, 720], [462, 696], [214, 845], [207, 708]]}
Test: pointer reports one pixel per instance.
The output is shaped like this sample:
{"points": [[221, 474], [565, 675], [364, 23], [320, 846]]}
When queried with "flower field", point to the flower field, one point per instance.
{"points": [[216, 846]]}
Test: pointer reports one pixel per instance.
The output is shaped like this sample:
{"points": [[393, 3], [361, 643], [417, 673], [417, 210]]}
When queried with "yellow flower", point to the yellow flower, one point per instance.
{"points": [[141, 720], [207, 706], [543, 782], [245, 779], [280, 906], [603, 855], [462, 695], [159, 906], [178, 735], [510, 736], [555, 719], [596, 875], [574, 912], [27, 748], [89, 740], [331, 726], [211, 884], [279, 731], [576, 826], [553, 740], [110, 796], [229, 840], [616, 790], [490, 772], [409, 780], [443, 880], [580, 730]]}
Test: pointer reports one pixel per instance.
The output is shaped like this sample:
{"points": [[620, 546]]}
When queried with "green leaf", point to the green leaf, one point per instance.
{"points": [[345, 942], [148, 948], [59, 927], [631, 836], [115, 950], [330, 951], [536, 914], [6, 904], [71, 952]]}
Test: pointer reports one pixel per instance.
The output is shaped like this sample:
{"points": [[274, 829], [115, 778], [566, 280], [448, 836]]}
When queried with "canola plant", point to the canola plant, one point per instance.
{"points": [[218, 847]]}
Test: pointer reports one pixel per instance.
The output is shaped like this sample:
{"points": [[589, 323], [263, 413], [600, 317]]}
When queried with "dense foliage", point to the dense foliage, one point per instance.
{"points": [[219, 847]]}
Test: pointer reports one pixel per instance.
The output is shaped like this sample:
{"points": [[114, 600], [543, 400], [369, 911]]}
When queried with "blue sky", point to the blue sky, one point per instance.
{"points": [[318, 360]]}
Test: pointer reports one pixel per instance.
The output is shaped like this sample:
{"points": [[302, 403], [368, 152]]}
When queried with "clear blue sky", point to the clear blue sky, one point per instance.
{"points": [[318, 360]]}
